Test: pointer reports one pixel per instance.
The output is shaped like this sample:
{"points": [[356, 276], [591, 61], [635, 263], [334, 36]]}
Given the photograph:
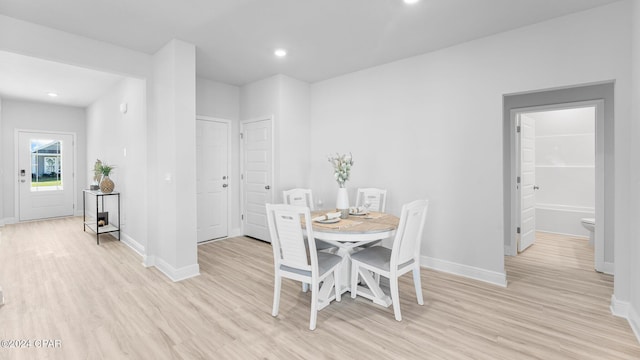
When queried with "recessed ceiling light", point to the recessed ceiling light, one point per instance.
{"points": [[52, 94], [411, 1], [280, 52]]}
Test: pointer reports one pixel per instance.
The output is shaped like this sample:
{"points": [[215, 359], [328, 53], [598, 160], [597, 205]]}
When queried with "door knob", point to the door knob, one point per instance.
{"points": [[224, 177], [536, 187], [225, 185], [267, 187]]}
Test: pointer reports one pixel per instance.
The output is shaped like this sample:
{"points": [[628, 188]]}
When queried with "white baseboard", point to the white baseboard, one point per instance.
{"points": [[491, 277], [174, 274], [634, 321], [508, 251], [78, 213], [148, 261], [608, 268], [133, 244], [624, 309], [8, 221], [619, 308], [235, 232]]}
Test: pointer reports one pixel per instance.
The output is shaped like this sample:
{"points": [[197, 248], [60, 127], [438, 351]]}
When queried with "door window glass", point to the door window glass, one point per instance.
{"points": [[46, 165]]}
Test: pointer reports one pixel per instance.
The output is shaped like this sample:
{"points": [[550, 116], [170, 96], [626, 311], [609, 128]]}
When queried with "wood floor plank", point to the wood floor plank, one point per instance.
{"points": [[102, 304]]}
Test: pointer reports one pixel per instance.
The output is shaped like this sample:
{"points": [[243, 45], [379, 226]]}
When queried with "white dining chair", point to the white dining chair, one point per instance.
{"points": [[393, 263], [298, 197], [376, 198], [304, 197], [295, 256]]}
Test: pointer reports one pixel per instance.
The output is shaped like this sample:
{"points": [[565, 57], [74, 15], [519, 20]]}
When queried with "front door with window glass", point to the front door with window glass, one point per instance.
{"points": [[45, 175]]}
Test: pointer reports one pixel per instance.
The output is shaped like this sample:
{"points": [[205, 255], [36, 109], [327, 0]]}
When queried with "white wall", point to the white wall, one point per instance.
{"points": [[219, 100], [109, 133], [431, 126], [634, 242], [27, 115], [288, 101], [565, 169], [1, 171]]}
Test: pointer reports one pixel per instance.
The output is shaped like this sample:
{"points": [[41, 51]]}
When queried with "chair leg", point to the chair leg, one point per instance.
{"points": [[354, 279], [315, 288], [417, 283], [276, 294], [337, 287], [395, 298], [305, 287]]}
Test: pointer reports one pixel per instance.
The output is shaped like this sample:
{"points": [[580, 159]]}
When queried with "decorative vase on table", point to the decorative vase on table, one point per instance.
{"points": [[107, 185], [342, 203]]}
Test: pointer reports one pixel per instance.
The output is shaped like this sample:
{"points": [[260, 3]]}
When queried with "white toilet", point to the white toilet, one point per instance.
{"points": [[589, 224]]}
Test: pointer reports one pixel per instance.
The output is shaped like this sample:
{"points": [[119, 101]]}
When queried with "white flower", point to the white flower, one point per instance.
{"points": [[341, 167]]}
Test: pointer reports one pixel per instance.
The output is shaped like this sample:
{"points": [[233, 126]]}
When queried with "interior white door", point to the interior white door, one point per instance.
{"points": [[528, 180], [212, 181], [256, 177], [45, 175]]}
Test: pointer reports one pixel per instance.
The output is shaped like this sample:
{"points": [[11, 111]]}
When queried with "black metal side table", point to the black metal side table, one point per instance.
{"points": [[100, 224]]}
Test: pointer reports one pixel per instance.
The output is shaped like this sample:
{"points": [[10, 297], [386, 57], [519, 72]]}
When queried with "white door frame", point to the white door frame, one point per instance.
{"points": [[16, 169], [273, 168], [228, 122], [599, 171]]}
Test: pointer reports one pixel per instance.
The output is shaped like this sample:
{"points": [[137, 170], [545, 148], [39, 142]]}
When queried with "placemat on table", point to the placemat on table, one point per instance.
{"points": [[374, 215], [342, 224]]}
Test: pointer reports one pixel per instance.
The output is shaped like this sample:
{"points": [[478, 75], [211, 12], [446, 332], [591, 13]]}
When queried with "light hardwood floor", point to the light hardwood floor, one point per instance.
{"points": [[101, 303]]}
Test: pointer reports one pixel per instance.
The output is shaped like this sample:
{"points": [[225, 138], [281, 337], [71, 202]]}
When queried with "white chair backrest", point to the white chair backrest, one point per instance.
{"points": [[287, 237], [298, 197], [406, 245], [376, 198]]}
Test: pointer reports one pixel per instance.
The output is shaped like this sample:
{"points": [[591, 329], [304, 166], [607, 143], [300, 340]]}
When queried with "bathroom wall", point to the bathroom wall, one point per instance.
{"points": [[565, 169]]}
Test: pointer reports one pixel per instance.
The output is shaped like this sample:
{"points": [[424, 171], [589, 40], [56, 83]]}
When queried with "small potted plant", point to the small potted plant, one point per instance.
{"points": [[106, 184]]}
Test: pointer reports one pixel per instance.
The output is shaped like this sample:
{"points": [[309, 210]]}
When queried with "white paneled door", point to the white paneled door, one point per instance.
{"points": [[212, 179], [527, 182], [45, 175], [257, 155]]}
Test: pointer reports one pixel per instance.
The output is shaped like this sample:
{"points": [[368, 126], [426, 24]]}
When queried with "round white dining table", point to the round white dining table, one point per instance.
{"points": [[348, 235]]}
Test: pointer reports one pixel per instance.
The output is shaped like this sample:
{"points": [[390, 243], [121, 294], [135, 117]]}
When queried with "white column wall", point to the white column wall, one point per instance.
{"points": [[634, 247], [172, 200], [1, 171]]}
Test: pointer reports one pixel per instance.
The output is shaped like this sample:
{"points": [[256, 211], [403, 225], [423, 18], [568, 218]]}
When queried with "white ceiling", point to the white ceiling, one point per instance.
{"points": [[23, 77], [235, 39]]}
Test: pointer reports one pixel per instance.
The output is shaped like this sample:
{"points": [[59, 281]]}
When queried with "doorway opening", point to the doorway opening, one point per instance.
{"points": [[556, 174], [600, 96]]}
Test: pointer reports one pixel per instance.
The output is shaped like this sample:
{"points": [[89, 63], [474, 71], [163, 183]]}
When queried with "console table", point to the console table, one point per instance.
{"points": [[92, 223]]}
